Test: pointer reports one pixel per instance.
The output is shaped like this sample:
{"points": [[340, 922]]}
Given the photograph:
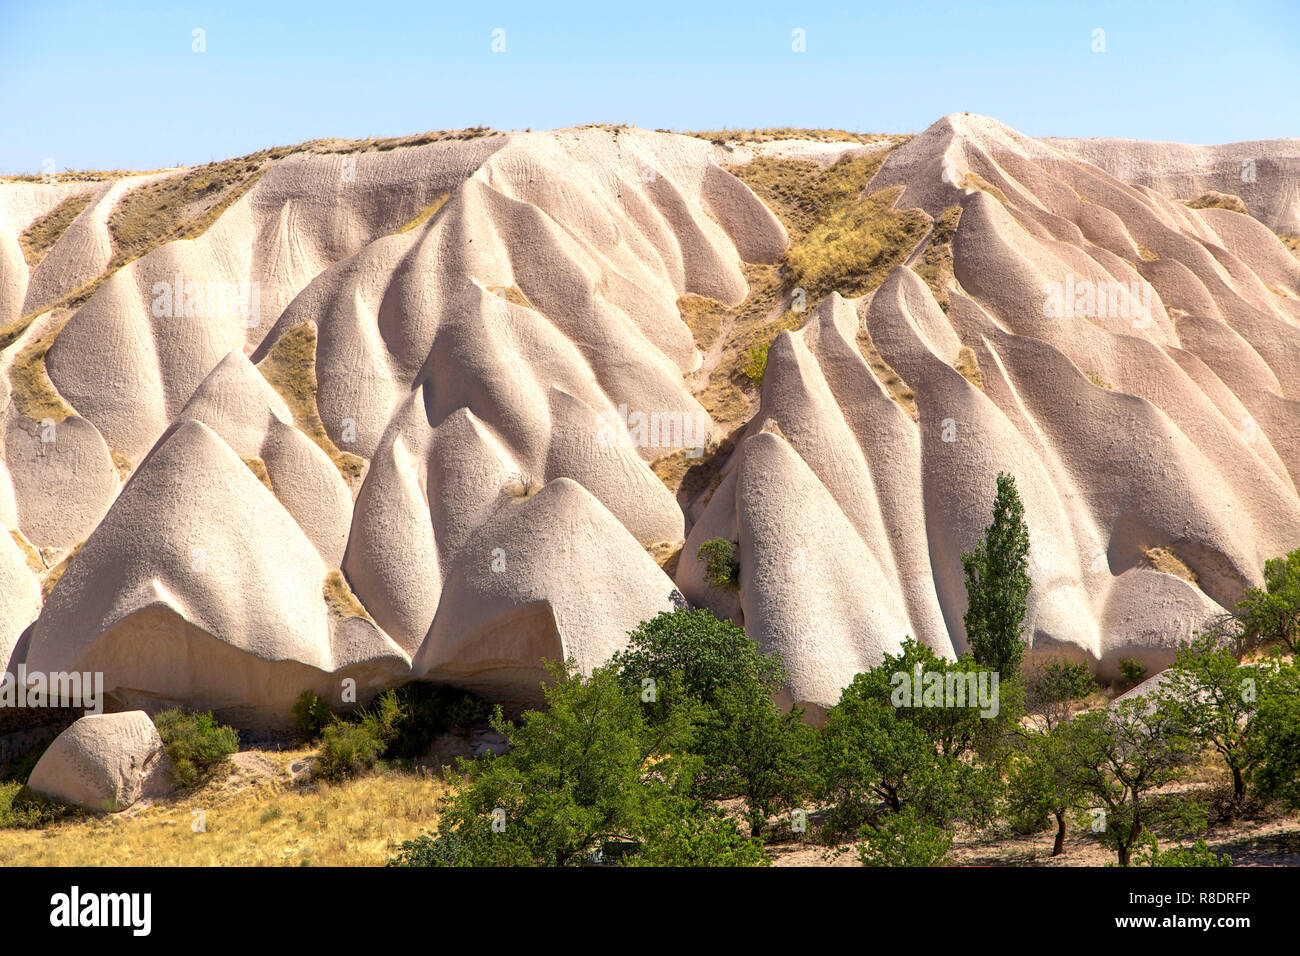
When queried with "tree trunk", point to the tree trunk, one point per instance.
{"points": [[1238, 786], [1059, 846]]}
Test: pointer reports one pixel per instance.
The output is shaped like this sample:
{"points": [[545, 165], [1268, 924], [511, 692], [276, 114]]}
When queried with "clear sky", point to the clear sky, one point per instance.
{"points": [[120, 85]]}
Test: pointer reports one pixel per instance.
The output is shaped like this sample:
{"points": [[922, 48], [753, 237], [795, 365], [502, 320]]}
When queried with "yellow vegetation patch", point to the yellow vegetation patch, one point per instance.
{"points": [[969, 367], [177, 207], [842, 239], [666, 554], [512, 295], [33, 392], [975, 181], [672, 468], [425, 214], [705, 318], [290, 367], [269, 823], [1146, 253], [723, 136], [1164, 560], [521, 487], [40, 237], [1291, 242], [936, 262], [58, 571], [30, 554], [1215, 200], [123, 464], [1098, 380], [340, 599], [258, 468], [898, 389]]}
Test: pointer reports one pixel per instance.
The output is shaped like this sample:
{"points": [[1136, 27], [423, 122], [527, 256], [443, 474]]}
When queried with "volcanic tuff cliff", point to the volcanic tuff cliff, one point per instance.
{"points": [[342, 410]]}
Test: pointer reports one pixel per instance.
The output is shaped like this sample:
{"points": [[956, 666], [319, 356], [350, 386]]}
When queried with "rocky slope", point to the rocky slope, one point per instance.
{"points": [[371, 411]]}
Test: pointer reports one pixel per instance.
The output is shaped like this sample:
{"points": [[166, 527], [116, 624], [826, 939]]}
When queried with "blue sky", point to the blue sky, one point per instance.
{"points": [[90, 87]]}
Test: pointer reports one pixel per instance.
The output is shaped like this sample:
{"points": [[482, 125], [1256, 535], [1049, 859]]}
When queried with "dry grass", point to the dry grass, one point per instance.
{"points": [[841, 240], [705, 318], [123, 464], [666, 554], [1291, 242], [521, 487], [1164, 560], [1146, 253], [727, 393], [40, 237], [178, 207], [976, 181], [33, 393], [1215, 200], [1099, 381], [898, 389], [268, 823], [30, 554], [512, 294], [969, 367], [855, 244], [425, 214], [340, 599], [258, 468], [290, 367], [936, 262], [56, 572], [724, 136], [77, 176]]}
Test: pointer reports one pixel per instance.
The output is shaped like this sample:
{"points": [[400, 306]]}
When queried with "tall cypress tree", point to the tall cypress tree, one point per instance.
{"points": [[997, 584]]}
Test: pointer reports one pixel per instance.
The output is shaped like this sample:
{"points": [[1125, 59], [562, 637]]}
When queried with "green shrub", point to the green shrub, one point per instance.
{"points": [[904, 839], [756, 364], [687, 833], [312, 715], [409, 718], [1133, 671], [348, 750], [443, 849], [721, 567], [1198, 854], [196, 744], [20, 808]]}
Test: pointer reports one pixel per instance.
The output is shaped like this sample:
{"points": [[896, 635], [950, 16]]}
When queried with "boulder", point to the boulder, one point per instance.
{"points": [[104, 762]]}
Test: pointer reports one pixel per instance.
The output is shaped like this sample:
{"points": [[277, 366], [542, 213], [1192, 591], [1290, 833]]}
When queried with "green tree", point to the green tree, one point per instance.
{"points": [[699, 654], [587, 769], [1275, 736], [1118, 756], [1211, 694], [1273, 613], [1054, 688], [878, 750], [1043, 783], [753, 749], [748, 746], [997, 584]]}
